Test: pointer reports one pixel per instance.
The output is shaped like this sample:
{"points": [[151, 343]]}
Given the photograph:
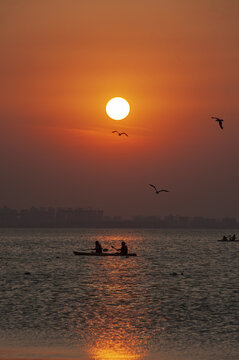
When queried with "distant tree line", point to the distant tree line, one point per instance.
{"points": [[79, 217]]}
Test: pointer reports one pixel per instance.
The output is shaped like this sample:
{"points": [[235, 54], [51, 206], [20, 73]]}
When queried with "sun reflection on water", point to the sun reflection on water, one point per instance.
{"points": [[111, 319], [112, 351]]}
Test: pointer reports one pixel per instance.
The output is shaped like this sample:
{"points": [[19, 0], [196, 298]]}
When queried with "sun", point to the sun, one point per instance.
{"points": [[117, 108]]}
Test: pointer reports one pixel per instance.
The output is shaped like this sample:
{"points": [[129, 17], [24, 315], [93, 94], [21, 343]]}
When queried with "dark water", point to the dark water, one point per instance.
{"points": [[55, 305]]}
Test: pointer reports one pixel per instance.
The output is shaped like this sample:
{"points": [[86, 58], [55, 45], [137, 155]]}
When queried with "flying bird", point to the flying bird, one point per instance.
{"points": [[120, 133], [156, 190], [219, 121]]}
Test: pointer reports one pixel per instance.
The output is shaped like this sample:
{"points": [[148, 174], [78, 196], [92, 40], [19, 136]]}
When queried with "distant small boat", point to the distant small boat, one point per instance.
{"points": [[83, 253], [228, 240]]}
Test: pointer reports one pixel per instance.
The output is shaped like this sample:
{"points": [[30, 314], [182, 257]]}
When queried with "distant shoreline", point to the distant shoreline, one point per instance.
{"points": [[50, 217], [120, 227]]}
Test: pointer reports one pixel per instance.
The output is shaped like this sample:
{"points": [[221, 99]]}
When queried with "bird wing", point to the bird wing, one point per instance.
{"points": [[163, 190], [216, 118], [220, 124], [115, 131], [153, 186], [124, 134]]}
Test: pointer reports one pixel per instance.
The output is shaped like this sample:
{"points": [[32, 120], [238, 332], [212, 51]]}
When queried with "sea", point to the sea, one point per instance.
{"points": [[177, 300]]}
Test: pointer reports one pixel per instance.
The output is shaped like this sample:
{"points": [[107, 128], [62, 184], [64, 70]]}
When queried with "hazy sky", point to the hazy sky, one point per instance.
{"points": [[176, 62]]}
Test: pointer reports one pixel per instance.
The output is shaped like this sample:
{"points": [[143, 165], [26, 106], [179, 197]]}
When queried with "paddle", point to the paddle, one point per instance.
{"points": [[115, 248], [94, 249]]}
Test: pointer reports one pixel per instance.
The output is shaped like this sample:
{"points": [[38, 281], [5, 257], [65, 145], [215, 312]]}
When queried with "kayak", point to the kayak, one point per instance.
{"points": [[83, 253]]}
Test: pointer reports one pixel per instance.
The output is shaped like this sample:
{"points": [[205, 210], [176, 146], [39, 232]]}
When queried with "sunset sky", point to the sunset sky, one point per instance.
{"points": [[175, 62]]}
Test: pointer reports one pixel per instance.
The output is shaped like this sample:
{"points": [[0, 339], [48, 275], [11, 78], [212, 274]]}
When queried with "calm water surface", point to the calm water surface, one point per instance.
{"points": [[55, 305]]}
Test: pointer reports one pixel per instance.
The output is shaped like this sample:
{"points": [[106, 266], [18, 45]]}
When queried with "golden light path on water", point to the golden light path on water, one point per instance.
{"points": [[111, 351], [115, 322]]}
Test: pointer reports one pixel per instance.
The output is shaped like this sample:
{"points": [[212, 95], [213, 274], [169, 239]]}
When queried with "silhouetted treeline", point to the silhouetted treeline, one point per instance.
{"points": [[78, 217]]}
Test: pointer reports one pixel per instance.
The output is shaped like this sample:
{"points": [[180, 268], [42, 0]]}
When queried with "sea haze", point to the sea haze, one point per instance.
{"points": [[178, 299]]}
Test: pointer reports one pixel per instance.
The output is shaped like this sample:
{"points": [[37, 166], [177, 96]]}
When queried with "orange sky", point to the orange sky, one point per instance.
{"points": [[176, 62]]}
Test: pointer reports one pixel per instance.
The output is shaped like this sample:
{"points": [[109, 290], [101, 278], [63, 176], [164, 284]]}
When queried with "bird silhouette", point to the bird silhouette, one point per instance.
{"points": [[218, 120], [120, 133], [156, 190]]}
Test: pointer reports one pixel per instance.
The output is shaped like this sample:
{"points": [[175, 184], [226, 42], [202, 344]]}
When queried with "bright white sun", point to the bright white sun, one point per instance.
{"points": [[117, 108]]}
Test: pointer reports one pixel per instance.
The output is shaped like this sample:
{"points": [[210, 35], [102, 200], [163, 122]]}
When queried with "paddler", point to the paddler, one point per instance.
{"points": [[124, 249], [98, 247]]}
